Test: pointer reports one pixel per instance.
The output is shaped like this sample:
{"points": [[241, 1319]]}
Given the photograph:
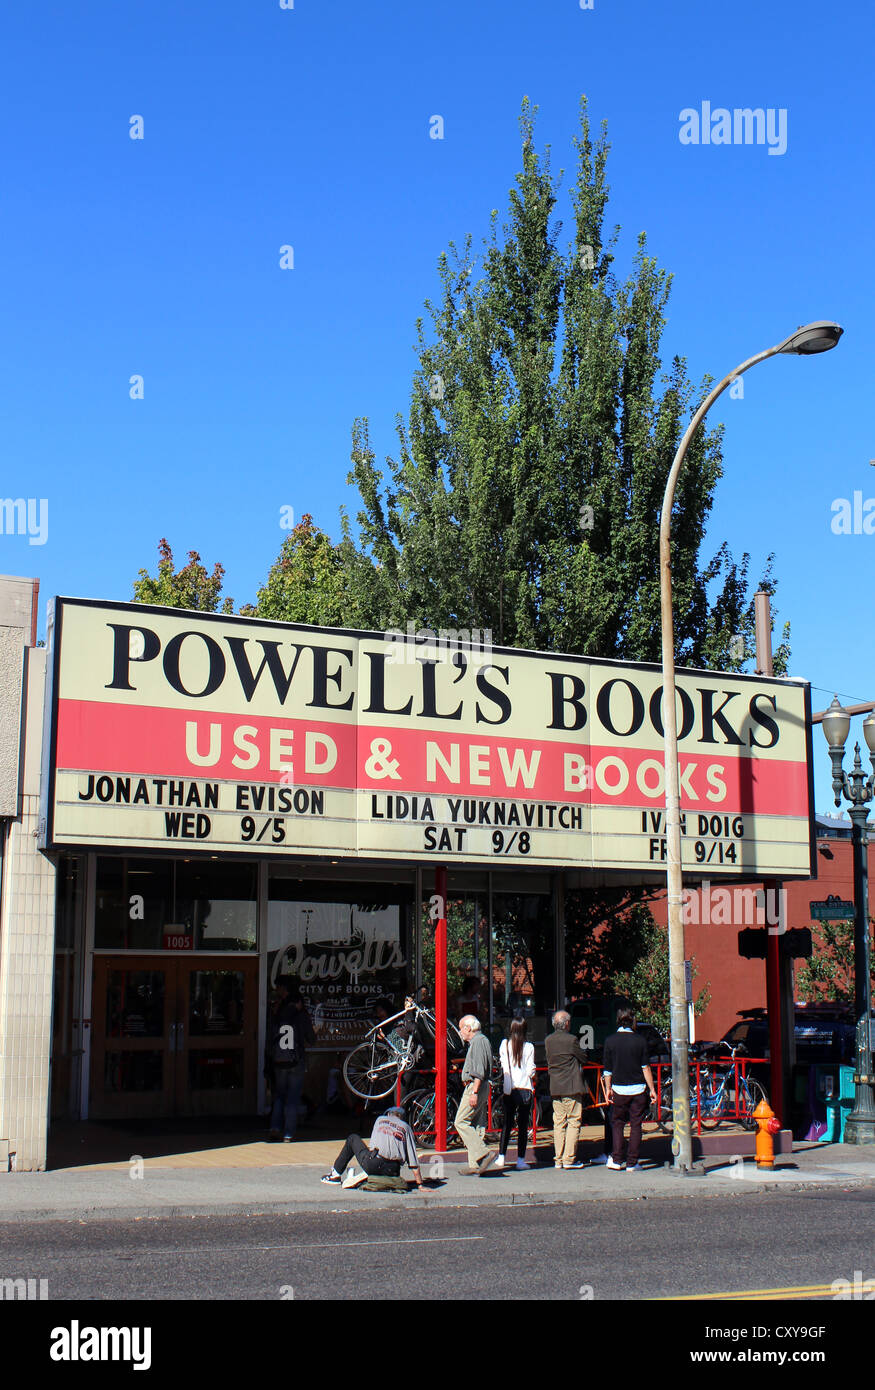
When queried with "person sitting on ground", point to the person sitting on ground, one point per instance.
{"points": [[392, 1144]]}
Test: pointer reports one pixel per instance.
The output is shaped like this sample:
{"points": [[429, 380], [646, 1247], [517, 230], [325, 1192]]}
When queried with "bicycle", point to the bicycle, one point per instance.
{"points": [[711, 1099], [372, 1069]]}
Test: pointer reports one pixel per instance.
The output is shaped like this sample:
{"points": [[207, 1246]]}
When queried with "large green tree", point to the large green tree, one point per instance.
{"points": [[646, 980], [527, 486]]}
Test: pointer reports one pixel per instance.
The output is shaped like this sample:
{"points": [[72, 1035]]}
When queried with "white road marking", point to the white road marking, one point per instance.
{"points": [[315, 1245]]}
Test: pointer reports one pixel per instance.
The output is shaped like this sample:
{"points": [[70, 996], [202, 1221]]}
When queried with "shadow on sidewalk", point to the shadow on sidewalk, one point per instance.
{"points": [[73, 1144]]}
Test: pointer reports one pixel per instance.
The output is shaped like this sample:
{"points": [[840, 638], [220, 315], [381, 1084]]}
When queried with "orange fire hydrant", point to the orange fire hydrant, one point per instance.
{"points": [[768, 1126]]}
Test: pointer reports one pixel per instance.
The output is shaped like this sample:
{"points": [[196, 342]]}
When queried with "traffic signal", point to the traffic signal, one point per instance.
{"points": [[752, 943], [795, 943]]}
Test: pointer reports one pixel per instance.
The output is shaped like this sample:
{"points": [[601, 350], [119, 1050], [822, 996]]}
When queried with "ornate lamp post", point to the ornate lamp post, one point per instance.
{"points": [[859, 790]]}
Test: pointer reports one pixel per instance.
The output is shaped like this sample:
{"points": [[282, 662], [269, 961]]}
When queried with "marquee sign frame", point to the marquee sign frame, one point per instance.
{"points": [[182, 731]]}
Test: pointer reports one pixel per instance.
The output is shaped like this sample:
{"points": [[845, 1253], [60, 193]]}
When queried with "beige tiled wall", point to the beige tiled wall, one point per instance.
{"points": [[27, 927]]}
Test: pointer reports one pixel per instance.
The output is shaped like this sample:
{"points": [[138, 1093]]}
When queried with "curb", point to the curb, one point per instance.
{"points": [[398, 1202]]}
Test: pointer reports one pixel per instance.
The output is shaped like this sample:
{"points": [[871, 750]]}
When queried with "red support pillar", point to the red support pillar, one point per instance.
{"points": [[440, 1012]]}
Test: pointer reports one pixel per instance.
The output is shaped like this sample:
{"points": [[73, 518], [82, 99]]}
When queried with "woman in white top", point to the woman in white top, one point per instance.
{"points": [[518, 1064]]}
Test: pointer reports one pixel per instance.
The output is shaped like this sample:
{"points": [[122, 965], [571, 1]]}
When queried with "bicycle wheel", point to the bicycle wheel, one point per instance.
{"points": [[713, 1113], [455, 1046], [371, 1070], [710, 1101], [713, 1106], [419, 1111], [660, 1114], [750, 1093]]}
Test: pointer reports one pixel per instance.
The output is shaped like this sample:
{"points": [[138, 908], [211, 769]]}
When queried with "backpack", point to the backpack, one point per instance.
{"points": [[382, 1182], [286, 1048]]}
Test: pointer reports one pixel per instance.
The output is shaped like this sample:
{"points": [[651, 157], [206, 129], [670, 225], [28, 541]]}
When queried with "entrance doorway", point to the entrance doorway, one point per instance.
{"points": [[173, 1037]]}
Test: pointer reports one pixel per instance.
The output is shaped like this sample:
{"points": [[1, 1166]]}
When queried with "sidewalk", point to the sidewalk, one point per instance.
{"points": [[285, 1179]]}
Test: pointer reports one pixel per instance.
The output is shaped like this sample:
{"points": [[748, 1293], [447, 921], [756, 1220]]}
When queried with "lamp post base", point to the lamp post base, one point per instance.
{"points": [[860, 1125]]}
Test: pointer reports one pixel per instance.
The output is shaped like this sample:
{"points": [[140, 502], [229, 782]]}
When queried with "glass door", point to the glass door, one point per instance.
{"points": [[176, 1037], [133, 1011], [216, 1037]]}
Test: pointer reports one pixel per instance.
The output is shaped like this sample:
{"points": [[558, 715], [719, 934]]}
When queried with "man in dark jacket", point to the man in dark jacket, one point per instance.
{"points": [[564, 1057], [627, 1078], [289, 1034]]}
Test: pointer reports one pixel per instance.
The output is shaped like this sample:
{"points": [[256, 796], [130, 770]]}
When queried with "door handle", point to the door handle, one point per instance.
{"points": [[171, 1045]]}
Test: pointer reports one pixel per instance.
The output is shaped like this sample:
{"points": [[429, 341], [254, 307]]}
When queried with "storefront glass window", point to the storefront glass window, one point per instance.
{"points": [[133, 903], [467, 954], [516, 975], [346, 950], [523, 960], [215, 1004], [160, 904], [135, 1002], [216, 903]]}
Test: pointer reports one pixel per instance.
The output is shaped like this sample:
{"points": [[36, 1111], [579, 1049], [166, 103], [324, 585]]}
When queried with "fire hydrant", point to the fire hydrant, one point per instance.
{"points": [[768, 1126]]}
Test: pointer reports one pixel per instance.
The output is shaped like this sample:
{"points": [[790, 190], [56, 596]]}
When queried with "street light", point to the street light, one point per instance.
{"points": [[859, 790], [815, 337]]}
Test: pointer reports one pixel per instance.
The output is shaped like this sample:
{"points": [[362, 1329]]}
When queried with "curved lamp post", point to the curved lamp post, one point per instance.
{"points": [[859, 790], [812, 338]]}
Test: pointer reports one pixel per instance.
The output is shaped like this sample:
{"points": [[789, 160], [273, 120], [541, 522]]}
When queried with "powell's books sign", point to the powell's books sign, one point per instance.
{"points": [[195, 731]]}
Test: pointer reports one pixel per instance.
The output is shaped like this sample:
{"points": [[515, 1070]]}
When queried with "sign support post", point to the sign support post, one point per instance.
{"points": [[440, 1012]]}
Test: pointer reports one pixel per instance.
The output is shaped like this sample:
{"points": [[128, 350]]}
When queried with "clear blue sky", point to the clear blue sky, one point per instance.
{"points": [[310, 127]]}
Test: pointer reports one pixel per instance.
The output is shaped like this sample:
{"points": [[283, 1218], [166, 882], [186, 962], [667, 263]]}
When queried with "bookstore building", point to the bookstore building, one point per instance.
{"points": [[196, 805]]}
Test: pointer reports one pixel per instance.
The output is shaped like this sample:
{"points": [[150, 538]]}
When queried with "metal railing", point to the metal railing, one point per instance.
{"points": [[702, 1074]]}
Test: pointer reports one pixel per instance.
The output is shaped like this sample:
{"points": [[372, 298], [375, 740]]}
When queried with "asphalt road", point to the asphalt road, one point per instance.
{"points": [[623, 1250]]}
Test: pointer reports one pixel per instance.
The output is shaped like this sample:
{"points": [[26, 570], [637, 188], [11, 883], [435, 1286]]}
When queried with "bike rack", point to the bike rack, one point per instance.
{"points": [[737, 1065]]}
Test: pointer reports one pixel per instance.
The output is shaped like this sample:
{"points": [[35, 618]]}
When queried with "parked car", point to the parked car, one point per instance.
{"points": [[660, 1051], [824, 1033], [600, 1014]]}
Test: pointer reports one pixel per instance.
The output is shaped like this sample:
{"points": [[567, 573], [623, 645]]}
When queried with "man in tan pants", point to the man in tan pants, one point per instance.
{"points": [[471, 1115], [564, 1056]]}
